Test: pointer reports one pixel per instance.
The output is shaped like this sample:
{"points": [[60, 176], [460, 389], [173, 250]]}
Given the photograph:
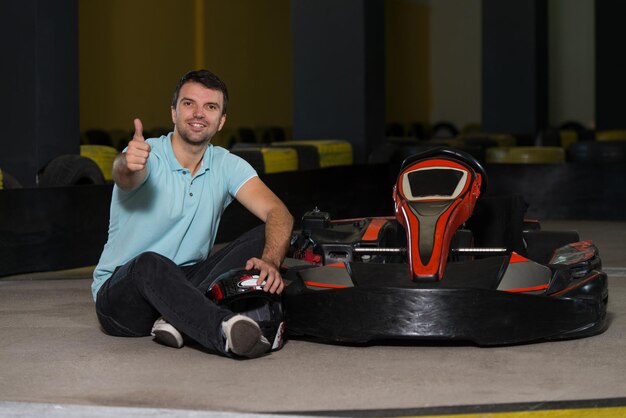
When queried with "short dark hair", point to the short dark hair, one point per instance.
{"points": [[207, 79]]}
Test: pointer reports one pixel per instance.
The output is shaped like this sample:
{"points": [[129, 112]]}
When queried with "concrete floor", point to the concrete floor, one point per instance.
{"points": [[54, 361]]}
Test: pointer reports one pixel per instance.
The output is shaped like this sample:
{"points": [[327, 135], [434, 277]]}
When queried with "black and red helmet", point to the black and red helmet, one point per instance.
{"points": [[238, 291]]}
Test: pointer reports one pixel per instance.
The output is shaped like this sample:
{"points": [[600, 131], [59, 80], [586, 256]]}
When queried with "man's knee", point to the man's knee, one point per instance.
{"points": [[151, 265]]}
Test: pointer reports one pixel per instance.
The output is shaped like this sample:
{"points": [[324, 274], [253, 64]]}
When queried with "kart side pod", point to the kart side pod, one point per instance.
{"points": [[433, 196]]}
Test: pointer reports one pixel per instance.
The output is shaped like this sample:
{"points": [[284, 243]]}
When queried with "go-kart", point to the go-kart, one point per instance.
{"points": [[422, 275]]}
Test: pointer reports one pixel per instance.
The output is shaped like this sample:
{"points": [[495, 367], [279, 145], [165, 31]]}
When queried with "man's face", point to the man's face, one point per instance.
{"points": [[198, 115]]}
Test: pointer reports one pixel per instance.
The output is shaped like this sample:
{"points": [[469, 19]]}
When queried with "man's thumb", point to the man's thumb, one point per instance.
{"points": [[138, 130]]}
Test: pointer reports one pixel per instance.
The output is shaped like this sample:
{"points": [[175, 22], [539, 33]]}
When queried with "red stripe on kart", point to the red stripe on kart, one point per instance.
{"points": [[330, 286], [567, 289], [373, 229], [528, 289], [339, 264]]}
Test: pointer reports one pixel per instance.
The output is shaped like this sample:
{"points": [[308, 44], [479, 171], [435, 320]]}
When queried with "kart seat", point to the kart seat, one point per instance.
{"points": [[435, 193]]}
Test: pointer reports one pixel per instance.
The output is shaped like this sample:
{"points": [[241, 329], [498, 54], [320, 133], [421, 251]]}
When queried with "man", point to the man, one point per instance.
{"points": [[167, 201]]}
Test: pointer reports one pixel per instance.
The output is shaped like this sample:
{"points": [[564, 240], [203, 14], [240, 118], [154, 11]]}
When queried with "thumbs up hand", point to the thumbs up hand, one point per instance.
{"points": [[138, 149], [129, 167]]}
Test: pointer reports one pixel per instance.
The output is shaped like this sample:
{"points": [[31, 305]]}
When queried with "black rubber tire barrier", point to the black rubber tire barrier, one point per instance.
{"points": [[525, 155], [308, 155], [598, 152], [444, 129], [103, 156], [253, 156], [395, 154], [71, 170]]}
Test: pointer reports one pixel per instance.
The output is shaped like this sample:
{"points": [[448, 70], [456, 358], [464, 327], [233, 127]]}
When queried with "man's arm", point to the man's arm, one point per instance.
{"points": [[130, 167], [255, 196]]}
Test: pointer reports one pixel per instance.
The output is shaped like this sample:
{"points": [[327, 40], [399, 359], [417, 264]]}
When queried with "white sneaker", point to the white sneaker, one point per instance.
{"points": [[164, 333], [244, 337]]}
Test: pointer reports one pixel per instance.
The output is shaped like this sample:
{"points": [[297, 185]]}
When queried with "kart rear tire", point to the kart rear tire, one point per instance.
{"points": [[71, 170]]}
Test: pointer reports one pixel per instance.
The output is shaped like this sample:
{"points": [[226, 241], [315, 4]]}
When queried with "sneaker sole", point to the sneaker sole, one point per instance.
{"points": [[246, 340], [167, 339]]}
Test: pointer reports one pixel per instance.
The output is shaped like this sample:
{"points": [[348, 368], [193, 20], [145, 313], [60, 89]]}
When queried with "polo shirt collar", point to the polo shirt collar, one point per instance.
{"points": [[175, 165]]}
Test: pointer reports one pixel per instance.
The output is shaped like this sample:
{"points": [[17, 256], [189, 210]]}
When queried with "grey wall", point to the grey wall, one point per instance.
{"points": [[338, 72], [455, 61], [456, 64], [571, 61]]}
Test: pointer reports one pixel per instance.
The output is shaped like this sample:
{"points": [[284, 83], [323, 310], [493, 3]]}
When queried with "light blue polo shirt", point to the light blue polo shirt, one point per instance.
{"points": [[171, 213]]}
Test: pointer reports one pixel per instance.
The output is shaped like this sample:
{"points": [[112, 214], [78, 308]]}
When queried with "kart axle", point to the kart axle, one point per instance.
{"points": [[392, 250], [378, 250], [488, 250]]}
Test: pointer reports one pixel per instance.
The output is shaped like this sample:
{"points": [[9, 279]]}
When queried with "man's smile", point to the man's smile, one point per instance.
{"points": [[197, 124]]}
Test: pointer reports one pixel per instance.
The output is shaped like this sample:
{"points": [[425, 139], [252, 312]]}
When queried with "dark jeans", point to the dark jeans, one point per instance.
{"points": [[150, 286]]}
